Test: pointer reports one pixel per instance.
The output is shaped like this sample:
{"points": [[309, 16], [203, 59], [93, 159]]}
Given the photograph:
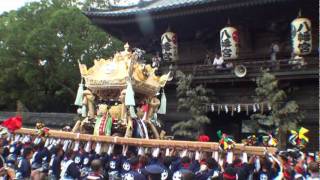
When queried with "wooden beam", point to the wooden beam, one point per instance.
{"points": [[190, 145]]}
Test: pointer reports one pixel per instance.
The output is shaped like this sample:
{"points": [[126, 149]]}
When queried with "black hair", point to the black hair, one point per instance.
{"points": [[134, 161], [57, 149], [69, 153], [155, 176], [212, 163], [185, 159], [167, 161], [96, 165], [27, 151]]}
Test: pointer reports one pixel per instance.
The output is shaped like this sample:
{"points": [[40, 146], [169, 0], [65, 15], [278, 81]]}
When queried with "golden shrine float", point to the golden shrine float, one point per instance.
{"points": [[124, 92]]}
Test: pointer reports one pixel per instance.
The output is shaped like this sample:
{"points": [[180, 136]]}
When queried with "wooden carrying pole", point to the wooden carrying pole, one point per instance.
{"points": [[156, 143]]}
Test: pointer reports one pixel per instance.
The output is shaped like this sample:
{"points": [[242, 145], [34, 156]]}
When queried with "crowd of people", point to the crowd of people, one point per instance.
{"points": [[27, 158]]}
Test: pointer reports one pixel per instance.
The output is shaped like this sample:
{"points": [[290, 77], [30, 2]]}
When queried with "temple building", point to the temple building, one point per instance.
{"points": [[250, 34]]}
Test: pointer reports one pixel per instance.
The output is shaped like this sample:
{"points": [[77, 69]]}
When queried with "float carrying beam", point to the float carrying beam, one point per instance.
{"points": [[154, 143]]}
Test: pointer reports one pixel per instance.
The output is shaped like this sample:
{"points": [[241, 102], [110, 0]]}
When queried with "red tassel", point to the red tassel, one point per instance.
{"points": [[12, 123], [203, 138]]}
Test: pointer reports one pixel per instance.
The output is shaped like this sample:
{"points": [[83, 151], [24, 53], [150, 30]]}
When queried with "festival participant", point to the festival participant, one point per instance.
{"points": [[299, 173], [202, 174], [184, 168], [114, 166], [40, 161], [5, 172], [24, 166], [165, 164], [143, 162], [55, 162], [263, 171], [11, 158], [218, 61], [313, 168], [85, 167], [133, 173], [299, 168], [212, 169], [96, 172], [185, 163], [69, 170], [78, 158], [243, 169], [125, 161]]}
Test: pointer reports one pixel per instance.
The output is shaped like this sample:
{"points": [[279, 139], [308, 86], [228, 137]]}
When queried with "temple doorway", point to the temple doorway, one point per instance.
{"points": [[232, 125]]}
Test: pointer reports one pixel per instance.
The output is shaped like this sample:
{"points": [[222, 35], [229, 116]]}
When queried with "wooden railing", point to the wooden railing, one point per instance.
{"points": [[253, 66]]}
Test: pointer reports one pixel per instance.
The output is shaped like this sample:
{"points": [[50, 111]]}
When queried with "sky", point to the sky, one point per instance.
{"points": [[7, 5]]}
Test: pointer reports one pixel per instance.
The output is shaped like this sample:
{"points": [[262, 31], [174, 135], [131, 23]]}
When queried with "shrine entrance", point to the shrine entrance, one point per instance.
{"points": [[232, 125]]}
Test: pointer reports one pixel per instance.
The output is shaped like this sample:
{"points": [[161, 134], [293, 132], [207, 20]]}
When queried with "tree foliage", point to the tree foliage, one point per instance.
{"points": [[192, 100], [51, 31], [284, 114]]}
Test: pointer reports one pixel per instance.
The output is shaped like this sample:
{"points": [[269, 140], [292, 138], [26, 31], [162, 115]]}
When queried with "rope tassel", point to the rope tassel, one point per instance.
{"points": [[132, 112], [79, 96], [129, 98], [163, 105]]}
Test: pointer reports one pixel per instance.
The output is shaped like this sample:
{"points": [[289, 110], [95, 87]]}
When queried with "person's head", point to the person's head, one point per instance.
{"points": [[130, 154], [69, 154], [39, 146], [96, 165], [218, 55], [27, 153], [153, 172], [143, 161], [185, 161], [212, 163], [134, 162], [57, 150], [237, 162], [230, 174], [265, 164]]}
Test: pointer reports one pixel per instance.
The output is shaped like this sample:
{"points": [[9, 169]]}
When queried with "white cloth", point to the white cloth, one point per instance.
{"points": [[218, 61], [64, 169]]}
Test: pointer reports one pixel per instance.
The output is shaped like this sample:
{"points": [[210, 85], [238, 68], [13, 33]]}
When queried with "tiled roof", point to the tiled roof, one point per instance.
{"points": [[162, 5]]}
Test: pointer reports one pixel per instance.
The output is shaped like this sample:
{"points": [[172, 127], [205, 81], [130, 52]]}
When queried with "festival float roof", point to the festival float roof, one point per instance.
{"points": [[112, 74]]}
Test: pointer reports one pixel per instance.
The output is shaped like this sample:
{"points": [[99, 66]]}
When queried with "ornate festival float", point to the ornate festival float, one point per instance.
{"points": [[118, 104], [121, 97]]}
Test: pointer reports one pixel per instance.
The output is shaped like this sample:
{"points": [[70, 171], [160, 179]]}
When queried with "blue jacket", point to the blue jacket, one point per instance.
{"points": [[24, 169]]}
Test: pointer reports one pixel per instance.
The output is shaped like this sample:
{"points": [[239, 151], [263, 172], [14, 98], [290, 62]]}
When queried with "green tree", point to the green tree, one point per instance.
{"points": [[51, 31], [193, 100], [284, 114]]}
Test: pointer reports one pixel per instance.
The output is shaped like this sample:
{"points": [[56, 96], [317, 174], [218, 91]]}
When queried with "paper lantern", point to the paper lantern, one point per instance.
{"points": [[229, 42], [301, 36], [169, 46]]}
